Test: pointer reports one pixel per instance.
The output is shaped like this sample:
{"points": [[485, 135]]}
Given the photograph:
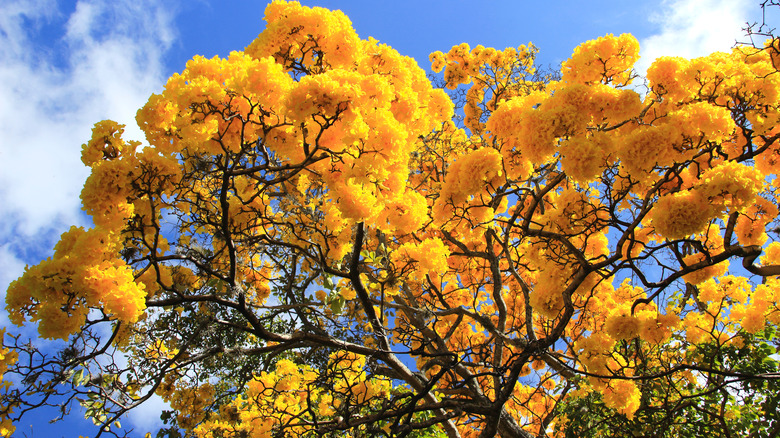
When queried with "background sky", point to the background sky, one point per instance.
{"points": [[65, 65]]}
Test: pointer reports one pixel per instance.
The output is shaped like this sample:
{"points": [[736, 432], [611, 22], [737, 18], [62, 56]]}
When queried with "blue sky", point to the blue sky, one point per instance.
{"points": [[65, 65]]}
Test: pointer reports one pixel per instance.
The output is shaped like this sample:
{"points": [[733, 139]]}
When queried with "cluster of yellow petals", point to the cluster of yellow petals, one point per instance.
{"points": [[462, 63], [584, 157], [329, 31], [675, 138], [713, 243], [189, 402], [610, 321], [752, 223], [681, 214], [607, 59], [621, 395], [750, 307], [360, 101], [113, 162], [727, 186], [428, 257], [468, 184], [270, 399], [290, 394], [744, 73], [85, 272], [540, 126]]}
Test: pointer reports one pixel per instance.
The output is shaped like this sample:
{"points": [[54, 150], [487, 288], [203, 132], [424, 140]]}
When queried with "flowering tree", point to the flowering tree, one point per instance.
{"points": [[313, 243]]}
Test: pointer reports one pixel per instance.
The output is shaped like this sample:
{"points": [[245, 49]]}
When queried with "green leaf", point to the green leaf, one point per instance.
{"points": [[337, 305], [769, 332], [79, 377], [327, 282]]}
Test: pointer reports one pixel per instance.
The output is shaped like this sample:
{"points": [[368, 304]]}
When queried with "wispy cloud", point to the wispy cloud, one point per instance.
{"points": [[692, 28], [60, 73], [104, 63]]}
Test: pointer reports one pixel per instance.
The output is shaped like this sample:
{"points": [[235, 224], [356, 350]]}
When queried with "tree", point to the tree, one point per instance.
{"points": [[313, 243]]}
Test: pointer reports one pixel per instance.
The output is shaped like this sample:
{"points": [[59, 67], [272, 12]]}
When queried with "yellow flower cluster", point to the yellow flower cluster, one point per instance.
{"points": [[564, 121], [241, 84], [751, 225], [290, 392], [703, 274], [107, 189], [495, 75], [405, 214], [106, 143], [520, 144], [318, 89], [681, 214], [428, 257], [608, 60], [732, 185], [271, 399], [727, 186], [470, 180], [609, 321], [621, 395], [320, 37], [84, 273], [462, 63], [584, 157], [547, 297], [473, 173], [188, 401], [749, 307]]}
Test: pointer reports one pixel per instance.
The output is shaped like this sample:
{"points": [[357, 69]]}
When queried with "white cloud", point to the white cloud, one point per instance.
{"points": [[146, 417], [103, 65], [692, 28]]}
